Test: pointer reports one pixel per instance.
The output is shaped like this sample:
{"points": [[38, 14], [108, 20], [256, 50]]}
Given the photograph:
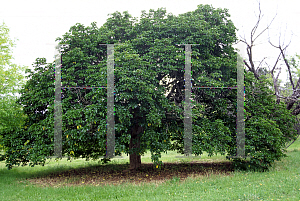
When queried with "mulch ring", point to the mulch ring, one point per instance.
{"points": [[113, 174]]}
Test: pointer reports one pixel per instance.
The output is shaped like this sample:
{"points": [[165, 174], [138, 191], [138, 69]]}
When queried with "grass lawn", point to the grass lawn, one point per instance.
{"points": [[207, 179]]}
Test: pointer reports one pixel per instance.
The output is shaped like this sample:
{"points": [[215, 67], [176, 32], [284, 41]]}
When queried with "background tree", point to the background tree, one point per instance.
{"points": [[287, 89], [273, 71], [148, 109], [11, 79]]}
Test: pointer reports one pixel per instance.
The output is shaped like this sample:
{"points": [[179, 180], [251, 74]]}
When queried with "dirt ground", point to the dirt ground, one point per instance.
{"points": [[116, 174]]}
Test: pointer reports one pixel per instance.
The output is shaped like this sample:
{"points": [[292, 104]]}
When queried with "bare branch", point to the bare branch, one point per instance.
{"points": [[272, 44], [251, 65], [265, 28], [261, 62], [272, 71], [245, 62], [244, 41], [287, 65], [256, 25]]}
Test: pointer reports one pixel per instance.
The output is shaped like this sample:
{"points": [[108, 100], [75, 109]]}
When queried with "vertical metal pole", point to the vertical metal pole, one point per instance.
{"points": [[240, 140], [187, 103], [110, 149], [57, 106]]}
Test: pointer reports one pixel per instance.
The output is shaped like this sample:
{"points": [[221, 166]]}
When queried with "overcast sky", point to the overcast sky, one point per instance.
{"points": [[36, 23]]}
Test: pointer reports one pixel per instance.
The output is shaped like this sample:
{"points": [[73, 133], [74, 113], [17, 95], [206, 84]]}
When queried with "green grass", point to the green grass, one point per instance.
{"points": [[281, 183]]}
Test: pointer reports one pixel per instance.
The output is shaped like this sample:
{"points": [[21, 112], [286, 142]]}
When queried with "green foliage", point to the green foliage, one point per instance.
{"points": [[11, 79], [145, 53], [268, 127]]}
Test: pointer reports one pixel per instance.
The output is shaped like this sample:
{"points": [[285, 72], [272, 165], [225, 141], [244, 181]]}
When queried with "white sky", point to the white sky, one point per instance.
{"points": [[36, 23]]}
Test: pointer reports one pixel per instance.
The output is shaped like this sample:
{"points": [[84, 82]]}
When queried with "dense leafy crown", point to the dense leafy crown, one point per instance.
{"points": [[145, 53]]}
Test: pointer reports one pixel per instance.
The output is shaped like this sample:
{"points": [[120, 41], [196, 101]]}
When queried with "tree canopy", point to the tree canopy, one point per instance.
{"points": [[11, 80], [145, 54]]}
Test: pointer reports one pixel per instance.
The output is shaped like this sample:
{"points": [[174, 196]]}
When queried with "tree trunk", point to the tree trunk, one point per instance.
{"points": [[135, 159]]}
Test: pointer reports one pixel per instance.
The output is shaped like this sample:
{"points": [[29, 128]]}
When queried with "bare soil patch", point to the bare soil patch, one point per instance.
{"points": [[113, 174]]}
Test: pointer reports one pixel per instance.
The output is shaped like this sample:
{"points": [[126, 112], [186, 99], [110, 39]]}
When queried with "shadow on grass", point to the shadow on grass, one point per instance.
{"points": [[113, 174]]}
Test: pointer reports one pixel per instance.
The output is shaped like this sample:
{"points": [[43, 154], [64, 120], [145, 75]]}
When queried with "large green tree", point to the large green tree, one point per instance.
{"points": [[149, 111], [11, 80]]}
